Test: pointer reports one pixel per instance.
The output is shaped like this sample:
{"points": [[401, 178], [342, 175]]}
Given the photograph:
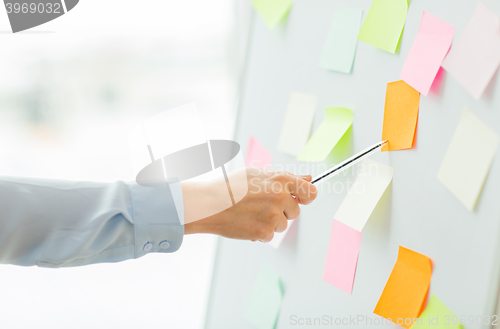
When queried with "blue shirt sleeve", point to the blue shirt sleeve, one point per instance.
{"points": [[53, 223]]}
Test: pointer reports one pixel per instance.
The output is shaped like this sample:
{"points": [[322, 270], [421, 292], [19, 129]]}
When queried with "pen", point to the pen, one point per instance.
{"points": [[347, 163]]}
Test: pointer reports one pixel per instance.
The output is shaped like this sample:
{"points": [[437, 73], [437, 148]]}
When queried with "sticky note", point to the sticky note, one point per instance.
{"points": [[335, 123], [257, 155], [273, 11], [264, 305], [342, 256], [468, 159], [436, 316], [279, 237], [427, 53], [475, 57], [405, 291], [400, 116], [384, 24], [438, 80], [364, 194], [340, 46], [297, 123]]}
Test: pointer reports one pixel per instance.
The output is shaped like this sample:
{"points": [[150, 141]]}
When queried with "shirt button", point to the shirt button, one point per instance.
{"points": [[147, 246], [164, 244]]}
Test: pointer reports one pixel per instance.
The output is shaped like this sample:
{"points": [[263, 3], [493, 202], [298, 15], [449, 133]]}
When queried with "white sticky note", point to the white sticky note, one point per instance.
{"points": [[297, 123], [468, 159], [279, 237], [364, 194]]}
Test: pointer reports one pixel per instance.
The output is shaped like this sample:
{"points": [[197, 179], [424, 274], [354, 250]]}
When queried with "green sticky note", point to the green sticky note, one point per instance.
{"points": [[336, 122], [273, 11], [265, 301], [436, 315], [340, 47], [384, 24]]}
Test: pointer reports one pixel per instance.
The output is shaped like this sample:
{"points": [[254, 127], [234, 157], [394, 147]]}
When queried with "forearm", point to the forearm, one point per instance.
{"points": [[57, 223]]}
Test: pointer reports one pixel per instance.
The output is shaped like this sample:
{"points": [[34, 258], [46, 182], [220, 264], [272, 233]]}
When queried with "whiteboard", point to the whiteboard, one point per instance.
{"points": [[416, 212]]}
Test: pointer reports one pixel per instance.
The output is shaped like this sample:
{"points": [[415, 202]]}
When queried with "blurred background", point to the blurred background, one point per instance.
{"points": [[70, 92]]}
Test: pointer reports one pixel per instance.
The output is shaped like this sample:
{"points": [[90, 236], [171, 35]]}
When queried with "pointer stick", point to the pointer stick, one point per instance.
{"points": [[347, 163]]}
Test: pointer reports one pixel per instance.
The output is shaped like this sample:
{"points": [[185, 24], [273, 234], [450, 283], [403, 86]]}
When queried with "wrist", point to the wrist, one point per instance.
{"points": [[204, 225], [192, 228], [201, 202]]}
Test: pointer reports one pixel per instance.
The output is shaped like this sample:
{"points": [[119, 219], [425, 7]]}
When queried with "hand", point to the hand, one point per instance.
{"points": [[273, 198]]}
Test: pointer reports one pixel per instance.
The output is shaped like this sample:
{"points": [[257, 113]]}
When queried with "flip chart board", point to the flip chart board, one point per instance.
{"points": [[416, 211]]}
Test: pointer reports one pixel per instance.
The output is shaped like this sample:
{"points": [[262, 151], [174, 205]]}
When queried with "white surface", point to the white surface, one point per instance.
{"points": [[416, 212]]}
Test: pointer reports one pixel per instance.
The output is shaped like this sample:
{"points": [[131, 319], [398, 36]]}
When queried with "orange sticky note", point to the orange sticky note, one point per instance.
{"points": [[400, 116], [405, 291]]}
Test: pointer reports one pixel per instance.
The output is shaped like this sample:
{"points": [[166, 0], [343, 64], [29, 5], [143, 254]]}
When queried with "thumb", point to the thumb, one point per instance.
{"points": [[307, 178]]}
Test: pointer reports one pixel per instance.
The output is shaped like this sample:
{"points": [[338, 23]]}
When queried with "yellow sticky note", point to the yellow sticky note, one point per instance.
{"points": [[437, 316], [468, 159], [384, 24], [400, 116], [336, 122], [273, 11], [405, 291]]}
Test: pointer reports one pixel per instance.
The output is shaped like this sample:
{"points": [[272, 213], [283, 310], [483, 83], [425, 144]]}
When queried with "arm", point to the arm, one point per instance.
{"points": [[58, 223]]}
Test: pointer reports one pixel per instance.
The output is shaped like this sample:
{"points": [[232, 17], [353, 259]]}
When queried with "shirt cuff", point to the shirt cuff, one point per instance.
{"points": [[176, 189], [157, 224]]}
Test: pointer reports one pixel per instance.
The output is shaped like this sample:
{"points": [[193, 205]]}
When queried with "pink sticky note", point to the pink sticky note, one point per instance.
{"points": [[257, 155], [438, 81], [342, 256], [475, 57], [427, 53]]}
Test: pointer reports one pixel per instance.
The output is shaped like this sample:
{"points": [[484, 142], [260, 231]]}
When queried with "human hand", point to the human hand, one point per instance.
{"points": [[273, 198]]}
